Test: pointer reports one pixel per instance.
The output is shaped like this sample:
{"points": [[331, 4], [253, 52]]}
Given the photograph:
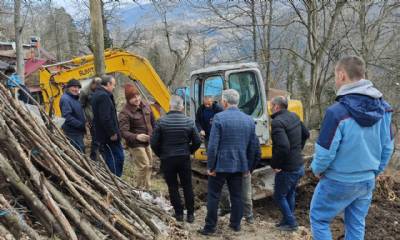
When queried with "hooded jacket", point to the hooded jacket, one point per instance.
{"points": [[356, 141]]}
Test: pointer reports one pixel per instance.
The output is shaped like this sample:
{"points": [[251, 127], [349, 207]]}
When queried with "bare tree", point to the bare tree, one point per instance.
{"points": [[181, 55], [97, 36], [18, 24], [319, 32]]}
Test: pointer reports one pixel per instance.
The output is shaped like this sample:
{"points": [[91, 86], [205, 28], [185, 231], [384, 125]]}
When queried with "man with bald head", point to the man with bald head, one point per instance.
{"points": [[205, 115]]}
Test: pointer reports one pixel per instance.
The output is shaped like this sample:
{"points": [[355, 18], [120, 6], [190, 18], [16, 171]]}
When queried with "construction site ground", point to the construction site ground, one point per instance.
{"points": [[382, 222]]}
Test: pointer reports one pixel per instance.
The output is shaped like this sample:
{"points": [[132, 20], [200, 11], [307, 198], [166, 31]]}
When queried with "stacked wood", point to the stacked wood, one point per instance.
{"points": [[49, 190]]}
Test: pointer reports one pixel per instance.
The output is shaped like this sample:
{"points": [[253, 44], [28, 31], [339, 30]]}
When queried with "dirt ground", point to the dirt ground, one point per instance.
{"points": [[383, 220]]}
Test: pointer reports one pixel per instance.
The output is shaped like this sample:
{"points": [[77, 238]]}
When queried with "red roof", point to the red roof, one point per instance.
{"points": [[32, 65]]}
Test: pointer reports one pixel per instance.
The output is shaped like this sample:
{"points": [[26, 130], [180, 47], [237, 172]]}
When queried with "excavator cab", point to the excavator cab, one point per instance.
{"points": [[247, 80]]}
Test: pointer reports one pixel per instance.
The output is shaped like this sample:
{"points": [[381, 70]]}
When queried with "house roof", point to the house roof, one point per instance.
{"points": [[32, 65]]}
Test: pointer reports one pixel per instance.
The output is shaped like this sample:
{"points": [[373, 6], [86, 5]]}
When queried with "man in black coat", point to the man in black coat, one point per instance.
{"points": [[106, 125], [174, 138], [288, 139], [204, 117]]}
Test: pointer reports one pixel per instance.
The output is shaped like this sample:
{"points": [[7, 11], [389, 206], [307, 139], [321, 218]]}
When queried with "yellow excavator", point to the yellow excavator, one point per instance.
{"points": [[246, 78], [137, 68]]}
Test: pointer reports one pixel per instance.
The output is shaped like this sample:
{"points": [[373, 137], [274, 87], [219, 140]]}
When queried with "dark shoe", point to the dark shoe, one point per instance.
{"points": [[206, 232], [281, 223], [288, 228], [179, 218], [249, 220], [223, 212], [190, 218], [236, 229]]}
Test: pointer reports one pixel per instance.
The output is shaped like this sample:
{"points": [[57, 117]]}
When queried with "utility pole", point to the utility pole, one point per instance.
{"points": [[19, 51], [97, 35]]}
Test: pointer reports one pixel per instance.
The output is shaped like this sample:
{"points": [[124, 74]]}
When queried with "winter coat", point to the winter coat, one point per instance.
{"points": [[201, 124], [104, 116], [134, 121], [72, 111], [288, 139], [85, 98], [233, 146], [175, 135], [355, 142]]}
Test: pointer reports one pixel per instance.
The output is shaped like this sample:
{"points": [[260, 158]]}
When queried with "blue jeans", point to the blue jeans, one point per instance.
{"points": [[77, 141], [285, 194], [333, 197], [113, 154], [215, 184]]}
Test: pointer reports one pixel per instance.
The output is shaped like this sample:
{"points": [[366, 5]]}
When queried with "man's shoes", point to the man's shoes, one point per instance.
{"points": [[249, 220], [223, 212], [190, 218], [179, 218], [288, 228], [236, 229], [281, 223], [206, 232]]}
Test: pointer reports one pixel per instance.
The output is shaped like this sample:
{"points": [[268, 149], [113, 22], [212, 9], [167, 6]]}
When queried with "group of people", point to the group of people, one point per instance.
{"points": [[353, 148]]}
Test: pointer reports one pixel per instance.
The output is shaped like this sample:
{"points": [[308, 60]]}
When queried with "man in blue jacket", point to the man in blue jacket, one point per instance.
{"points": [[106, 126], [231, 153], [72, 111], [354, 147]]}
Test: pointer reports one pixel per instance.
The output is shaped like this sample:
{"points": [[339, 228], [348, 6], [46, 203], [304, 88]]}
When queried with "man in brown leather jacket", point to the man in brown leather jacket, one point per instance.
{"points": [[136, 122]]}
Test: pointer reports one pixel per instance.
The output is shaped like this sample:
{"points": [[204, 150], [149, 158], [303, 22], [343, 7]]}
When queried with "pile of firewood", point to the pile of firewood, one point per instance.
{"points": [[49, 190]]}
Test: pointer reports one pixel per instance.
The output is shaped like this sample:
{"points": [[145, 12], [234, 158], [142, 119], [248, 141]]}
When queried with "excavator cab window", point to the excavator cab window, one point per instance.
{"points": [[250, 99], [213, 87]]}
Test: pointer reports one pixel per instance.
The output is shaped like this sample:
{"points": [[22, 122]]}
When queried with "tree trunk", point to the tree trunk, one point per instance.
{"points": [[97, 36], [254, 28], [18, 39], [268, 49], [108, 42]]}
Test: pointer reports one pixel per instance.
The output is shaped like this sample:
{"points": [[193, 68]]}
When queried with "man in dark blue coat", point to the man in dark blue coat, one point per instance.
{"points": [[71, 110], [204, 117], [231, 154], [106, 125]]}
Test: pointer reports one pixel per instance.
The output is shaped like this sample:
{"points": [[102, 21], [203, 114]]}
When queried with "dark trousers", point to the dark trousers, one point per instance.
{"points": [[113, 154], [172, 168], [76, 140], [285, 193], [94, 145], [215, 184]]}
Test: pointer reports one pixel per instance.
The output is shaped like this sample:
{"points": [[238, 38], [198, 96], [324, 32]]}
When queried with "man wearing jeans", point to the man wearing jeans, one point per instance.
{"points": [[354, 147], [106, 125], [288, 139], [231, 154]]}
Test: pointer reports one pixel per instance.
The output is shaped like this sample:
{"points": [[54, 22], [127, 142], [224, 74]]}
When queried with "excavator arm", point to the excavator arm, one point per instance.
{"points": [[116, 61]]}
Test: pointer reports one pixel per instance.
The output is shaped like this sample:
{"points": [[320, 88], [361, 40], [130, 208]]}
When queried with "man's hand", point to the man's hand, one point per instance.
{"points": [[246, 174], [202, 133], [142, 137], [114, 137], [276, 170], [211, 173]]}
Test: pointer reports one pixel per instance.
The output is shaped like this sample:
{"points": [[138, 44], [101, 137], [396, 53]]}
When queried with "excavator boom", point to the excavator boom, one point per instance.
{"points": [[116, 61]]}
